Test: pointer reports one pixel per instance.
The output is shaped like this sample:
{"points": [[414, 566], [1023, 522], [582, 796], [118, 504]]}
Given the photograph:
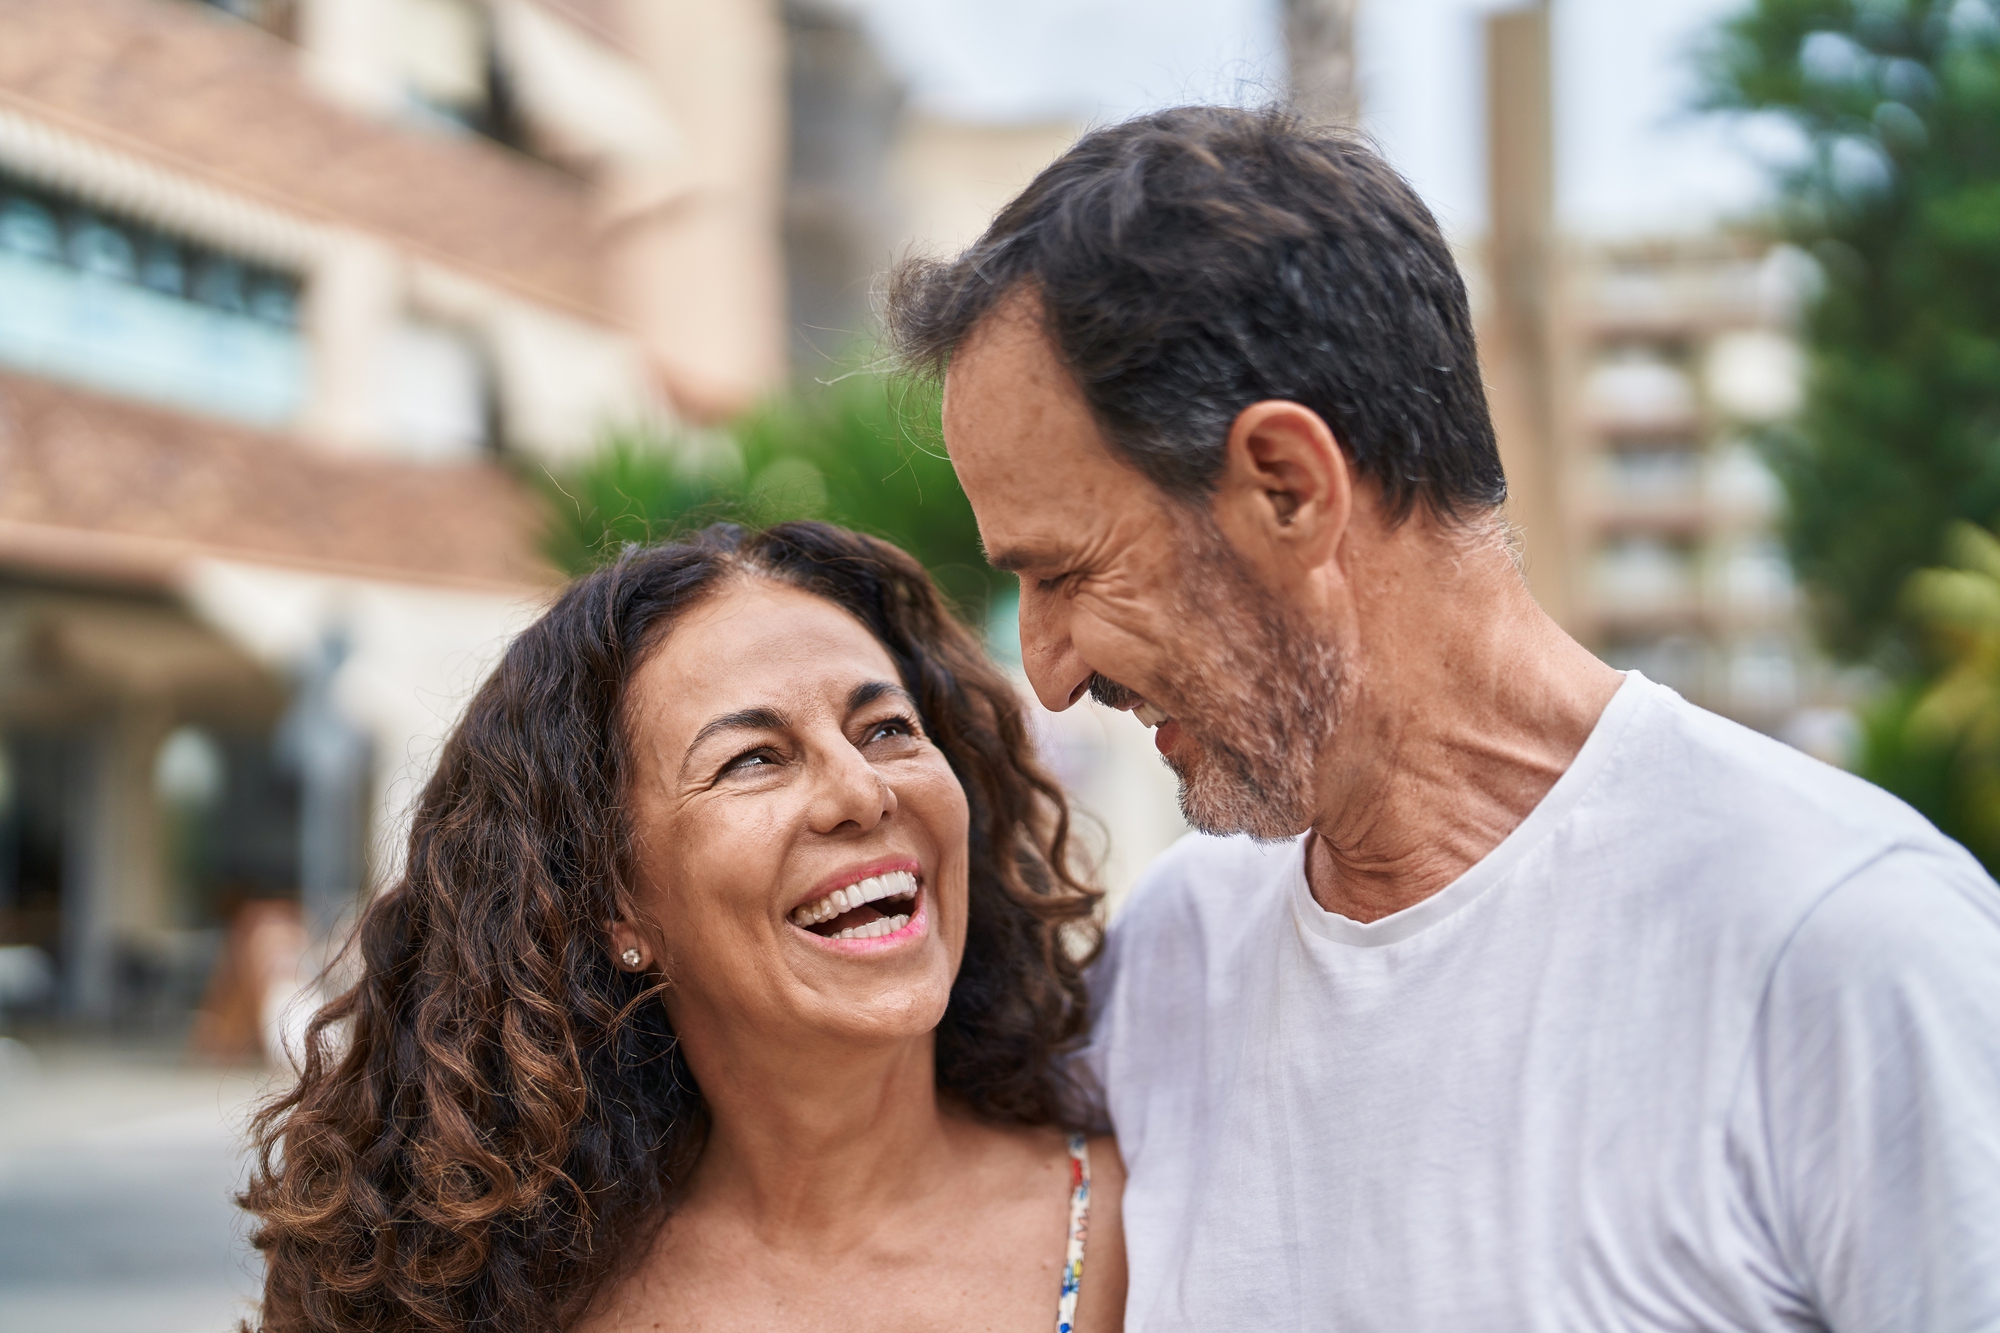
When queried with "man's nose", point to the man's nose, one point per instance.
{"points": [[1048, 655]]}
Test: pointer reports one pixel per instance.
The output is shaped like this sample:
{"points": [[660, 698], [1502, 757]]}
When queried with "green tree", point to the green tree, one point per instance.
{"points": [[1936, 740], [864, 452], [1898, 199]]}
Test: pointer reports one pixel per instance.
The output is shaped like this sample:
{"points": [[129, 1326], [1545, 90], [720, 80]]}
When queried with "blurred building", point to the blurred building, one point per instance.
{"points": [[872, 177], [1627, 380], [295, 297], [1681, 348], [845, 108]]}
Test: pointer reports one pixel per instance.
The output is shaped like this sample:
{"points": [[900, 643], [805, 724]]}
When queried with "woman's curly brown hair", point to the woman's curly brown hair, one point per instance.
{"points": [[494, 1114]]}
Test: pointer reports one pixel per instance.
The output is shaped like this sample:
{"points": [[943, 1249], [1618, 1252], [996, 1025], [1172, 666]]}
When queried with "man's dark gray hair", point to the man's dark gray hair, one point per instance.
{"points": [[1192, 262]]}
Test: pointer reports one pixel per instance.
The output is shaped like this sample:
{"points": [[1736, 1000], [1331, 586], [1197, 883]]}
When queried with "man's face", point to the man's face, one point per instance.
{"points": [[1133, 596]]}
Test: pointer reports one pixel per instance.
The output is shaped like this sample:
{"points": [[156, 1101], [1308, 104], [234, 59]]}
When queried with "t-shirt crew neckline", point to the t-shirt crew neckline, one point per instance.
{"points": [[1560, 799]]}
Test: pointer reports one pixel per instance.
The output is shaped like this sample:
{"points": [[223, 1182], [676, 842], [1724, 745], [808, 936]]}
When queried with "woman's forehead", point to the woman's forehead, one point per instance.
{"points": [[759, 644]]}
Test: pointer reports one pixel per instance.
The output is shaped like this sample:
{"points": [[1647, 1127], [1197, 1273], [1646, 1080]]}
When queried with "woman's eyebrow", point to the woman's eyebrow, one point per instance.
{"points": [[869, 691], [743, 719]]}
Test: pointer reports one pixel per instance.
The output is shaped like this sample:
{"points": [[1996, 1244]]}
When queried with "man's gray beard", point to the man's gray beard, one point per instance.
{"points": [[1256, 691]]}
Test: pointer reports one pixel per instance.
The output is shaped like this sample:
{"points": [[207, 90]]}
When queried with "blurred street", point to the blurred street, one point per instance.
{"points": [[116, 1168]]}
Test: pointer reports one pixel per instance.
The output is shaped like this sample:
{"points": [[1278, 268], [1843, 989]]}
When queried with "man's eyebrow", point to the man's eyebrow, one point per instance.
{"points": [[1014, 559], [869, 691], [743, 719]]}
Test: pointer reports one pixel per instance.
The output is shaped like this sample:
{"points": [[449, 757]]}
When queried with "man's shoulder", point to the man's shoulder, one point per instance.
{"points": [[1200, 869], [1715, 789], [1916, 915], [1703, 828], [1180, 949], [1203, 889]]}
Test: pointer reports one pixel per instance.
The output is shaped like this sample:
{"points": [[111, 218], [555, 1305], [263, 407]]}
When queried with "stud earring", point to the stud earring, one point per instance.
{"points": [[631, 957]]}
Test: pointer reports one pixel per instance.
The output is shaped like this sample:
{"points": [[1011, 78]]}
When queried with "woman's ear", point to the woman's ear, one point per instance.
{"points": [[628, 950]]}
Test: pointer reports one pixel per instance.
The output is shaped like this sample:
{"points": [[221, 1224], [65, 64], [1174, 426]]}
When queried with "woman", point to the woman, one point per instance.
{"points": [[723, 989]]}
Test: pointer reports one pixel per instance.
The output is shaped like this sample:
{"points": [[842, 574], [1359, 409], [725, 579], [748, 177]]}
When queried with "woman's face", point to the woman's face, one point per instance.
{"points": [[800, 845]]}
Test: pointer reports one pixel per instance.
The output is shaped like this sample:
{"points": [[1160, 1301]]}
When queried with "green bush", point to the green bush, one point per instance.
{"points": [[1935, 740], [864, 452], [1913, 762]]}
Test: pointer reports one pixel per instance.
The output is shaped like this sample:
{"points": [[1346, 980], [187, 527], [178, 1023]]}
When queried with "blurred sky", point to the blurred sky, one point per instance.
{"points": [[1629, 160]]}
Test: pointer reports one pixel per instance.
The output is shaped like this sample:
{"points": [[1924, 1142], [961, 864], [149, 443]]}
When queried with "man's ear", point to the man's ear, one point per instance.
{"points": [[1286, 485]]}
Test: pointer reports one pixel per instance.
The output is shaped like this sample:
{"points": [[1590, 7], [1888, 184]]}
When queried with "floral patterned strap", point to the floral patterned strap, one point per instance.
{"points": [[1079, 1223]]}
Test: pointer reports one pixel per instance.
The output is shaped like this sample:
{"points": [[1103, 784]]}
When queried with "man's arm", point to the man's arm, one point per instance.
{"points": [[1874, 1099]]}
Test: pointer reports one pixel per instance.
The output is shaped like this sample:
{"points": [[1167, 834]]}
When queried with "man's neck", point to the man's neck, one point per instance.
{"points": [[1472, 706]]}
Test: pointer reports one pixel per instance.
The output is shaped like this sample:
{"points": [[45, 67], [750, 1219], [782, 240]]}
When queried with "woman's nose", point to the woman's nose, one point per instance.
{"points": [[850, 791]]}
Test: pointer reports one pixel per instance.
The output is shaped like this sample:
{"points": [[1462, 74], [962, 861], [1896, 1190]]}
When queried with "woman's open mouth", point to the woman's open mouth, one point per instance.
{"points": [[865, 910]]}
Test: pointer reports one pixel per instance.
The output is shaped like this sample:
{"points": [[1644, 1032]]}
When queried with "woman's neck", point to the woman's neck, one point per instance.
{"points": [[806, 1143]]}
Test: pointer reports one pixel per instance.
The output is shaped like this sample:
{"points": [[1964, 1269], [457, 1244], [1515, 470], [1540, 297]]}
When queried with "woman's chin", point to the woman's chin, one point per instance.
{"points": [[885, 987], [887, 1013]]}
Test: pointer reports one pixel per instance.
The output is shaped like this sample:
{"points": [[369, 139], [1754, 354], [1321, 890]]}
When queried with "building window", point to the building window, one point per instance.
{"points": [[1639, 388], [1756, 375], [116, 305], [1676, 661], [1651, 476], [229, 815], [438, 393], [449, 60], [1641, 575], [40, 771], [1756, 576], [274, 16], [1738, 480], [1763, 675]]}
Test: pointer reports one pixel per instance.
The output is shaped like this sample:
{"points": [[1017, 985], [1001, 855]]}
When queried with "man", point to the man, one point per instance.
{"points": [[1532, 997]]}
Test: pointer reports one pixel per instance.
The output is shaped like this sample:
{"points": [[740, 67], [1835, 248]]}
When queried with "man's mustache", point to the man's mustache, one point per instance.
{"points": [[1113, 695]]}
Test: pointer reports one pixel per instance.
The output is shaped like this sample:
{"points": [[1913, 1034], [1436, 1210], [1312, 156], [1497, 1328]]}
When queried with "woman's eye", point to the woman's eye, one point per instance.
{"points": [[754, 759], [895, 726]]}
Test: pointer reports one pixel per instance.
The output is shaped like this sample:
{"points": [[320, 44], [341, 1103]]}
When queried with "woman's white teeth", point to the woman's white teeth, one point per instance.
{"points": [[881, 925], [895, 884], [1150, 714]]}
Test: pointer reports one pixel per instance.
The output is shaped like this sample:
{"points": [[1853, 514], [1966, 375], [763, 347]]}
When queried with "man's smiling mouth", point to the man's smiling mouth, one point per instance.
{"points": [[879, 905], [1126, 700]]}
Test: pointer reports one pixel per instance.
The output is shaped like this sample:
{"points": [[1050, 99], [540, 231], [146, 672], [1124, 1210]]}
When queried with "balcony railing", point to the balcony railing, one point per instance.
{"points": [[119, 306]]}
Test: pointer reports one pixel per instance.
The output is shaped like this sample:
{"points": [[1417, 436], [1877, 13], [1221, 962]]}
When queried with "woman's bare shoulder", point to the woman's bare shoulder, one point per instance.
{"points": [[668, 1280]]}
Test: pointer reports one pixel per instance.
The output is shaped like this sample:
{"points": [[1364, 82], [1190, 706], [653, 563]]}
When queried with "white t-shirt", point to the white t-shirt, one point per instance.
{"points": [[1711, 1041]]}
